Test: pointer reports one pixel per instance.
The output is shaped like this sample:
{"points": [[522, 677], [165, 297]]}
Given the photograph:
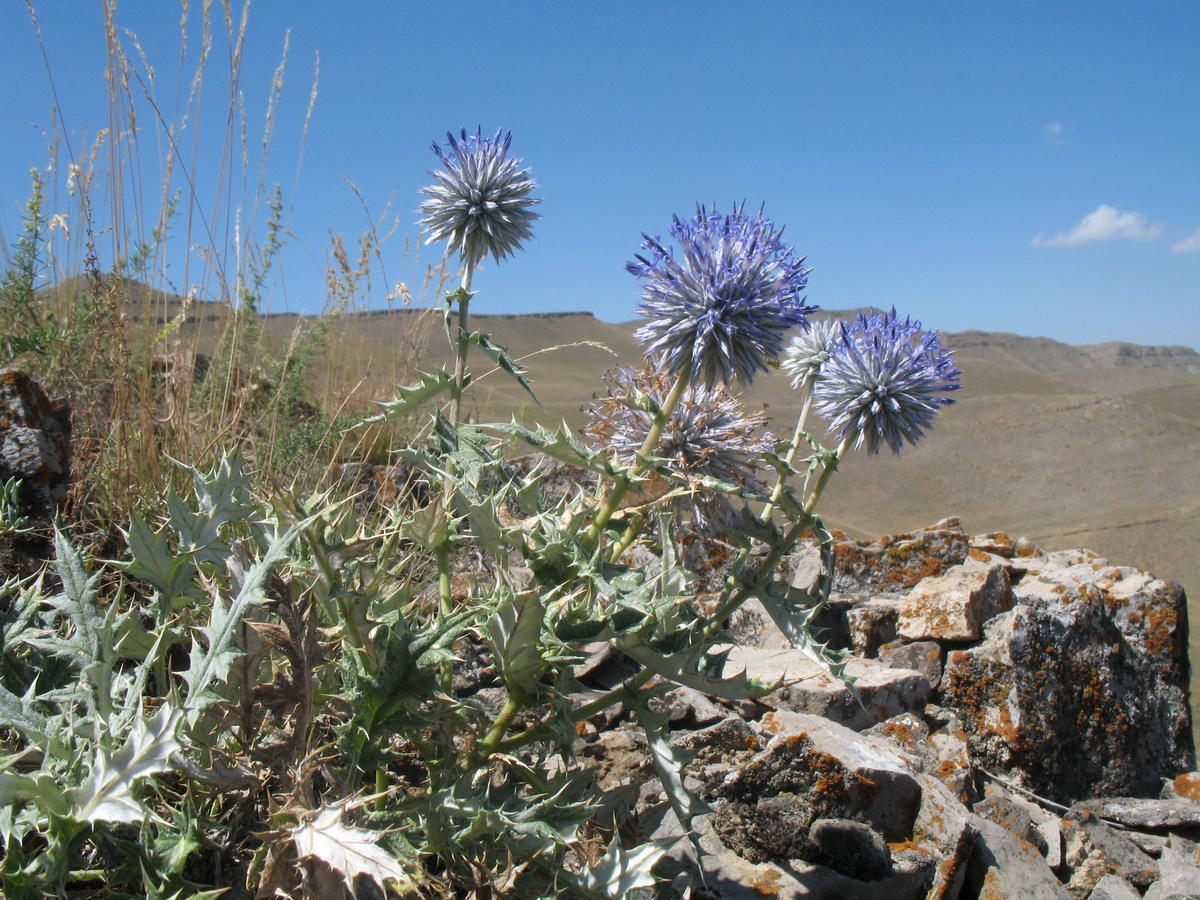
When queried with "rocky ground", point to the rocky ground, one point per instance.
{"points": [[1019, 727]]}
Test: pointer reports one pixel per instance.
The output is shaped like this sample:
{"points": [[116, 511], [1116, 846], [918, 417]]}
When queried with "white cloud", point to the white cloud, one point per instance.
{"points": [[1190, 244], [1054, 129], [1105, 223]]}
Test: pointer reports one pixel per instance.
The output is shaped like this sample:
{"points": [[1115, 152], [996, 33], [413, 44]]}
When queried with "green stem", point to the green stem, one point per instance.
{"points": [[623, 482], [445, 598], [380, 789], [791, 455], [635, 525], [541, 731], [490, 741], [826, 472], [461, 347], [737, 590]]}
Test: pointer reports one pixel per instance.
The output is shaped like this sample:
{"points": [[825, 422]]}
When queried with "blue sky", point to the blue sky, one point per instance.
{"points": [[1026, 167]]}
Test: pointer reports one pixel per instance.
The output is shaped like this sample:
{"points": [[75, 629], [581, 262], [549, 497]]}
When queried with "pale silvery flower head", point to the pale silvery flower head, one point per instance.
{"points": [[721, 303], [808, 351], [709, 434], [481, 202], [884, 382]]}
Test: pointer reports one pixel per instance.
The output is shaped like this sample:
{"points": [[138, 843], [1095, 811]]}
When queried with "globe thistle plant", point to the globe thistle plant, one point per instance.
{"points": [[722, 302], [884, 382], [481, 202], [709, 434]]}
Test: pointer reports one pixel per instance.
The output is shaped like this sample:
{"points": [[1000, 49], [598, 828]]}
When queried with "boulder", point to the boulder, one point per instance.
{"points": [[954, 606], [920, 656], [1006, 868], [829, 797], [35, 444], [1179, 870], [1092, 848], [1114, 887], [898, 562], [1057, 694]]}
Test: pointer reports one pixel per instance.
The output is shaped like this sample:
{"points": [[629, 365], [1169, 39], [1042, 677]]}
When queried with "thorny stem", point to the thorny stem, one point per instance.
{"points": [[635, 525], [791, 455], [733, 599], [539, 731], [623, 483], [442, 550]]}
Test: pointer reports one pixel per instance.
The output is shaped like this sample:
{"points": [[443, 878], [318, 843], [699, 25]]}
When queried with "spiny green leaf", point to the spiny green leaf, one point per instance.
{"points": [[414, 396], [154, 561], [42, 789], [561, 445], [669, 762], [515, 632], [21, 714], [500, 357], [212, 664], [620, 871], [107, 794], [351, 851], [79, 589], [685, 667]]}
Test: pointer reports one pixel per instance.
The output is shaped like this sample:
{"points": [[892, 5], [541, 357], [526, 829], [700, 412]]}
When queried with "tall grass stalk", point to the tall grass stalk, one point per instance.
{"points": [[151, 259]]}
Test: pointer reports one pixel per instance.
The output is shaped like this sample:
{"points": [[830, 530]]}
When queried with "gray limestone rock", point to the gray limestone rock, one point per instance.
{"points": [[879, 692], [1179, 871], [1059, 695], [920, 656], [872, 624], [954, 606], [814, 770], [1114, 887], [35, 444], [1138, 812], [1111, 849], [1005, 868]]}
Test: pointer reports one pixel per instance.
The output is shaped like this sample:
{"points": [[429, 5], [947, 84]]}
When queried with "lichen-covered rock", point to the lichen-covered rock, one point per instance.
{"points": [[920, 656], [35, 444], [1150, 612], [1004, 867], [815, 771], [898, 562], [937, 740], [1057, 693], [1093, 848], [1146, 812], [872, 624], [954, 606]]}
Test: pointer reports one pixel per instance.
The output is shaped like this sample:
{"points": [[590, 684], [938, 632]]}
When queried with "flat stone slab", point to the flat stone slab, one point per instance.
{"points": [[1146, 813]]}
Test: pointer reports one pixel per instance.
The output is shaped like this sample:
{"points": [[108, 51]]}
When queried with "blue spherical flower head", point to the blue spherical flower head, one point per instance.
{"points": [[481, 201], [884, 382], [721, 303]]}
